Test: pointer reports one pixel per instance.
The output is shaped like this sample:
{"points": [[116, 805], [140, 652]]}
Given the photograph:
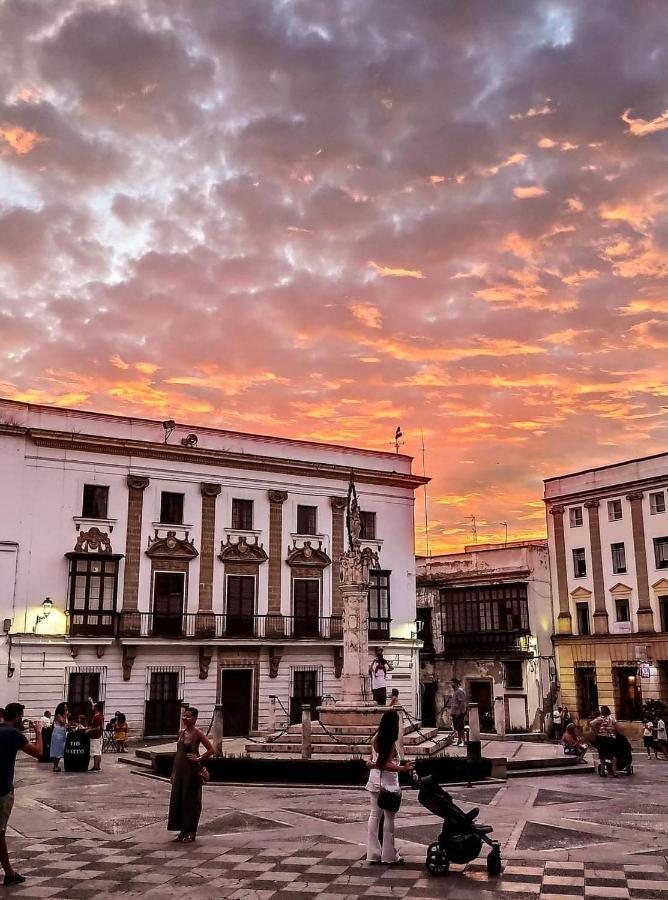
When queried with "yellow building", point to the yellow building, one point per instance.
{"points": [[608, 546]]}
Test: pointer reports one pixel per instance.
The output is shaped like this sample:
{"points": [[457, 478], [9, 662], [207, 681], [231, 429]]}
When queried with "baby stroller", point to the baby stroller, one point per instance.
{"points": [[460, 840], [623, 755]]}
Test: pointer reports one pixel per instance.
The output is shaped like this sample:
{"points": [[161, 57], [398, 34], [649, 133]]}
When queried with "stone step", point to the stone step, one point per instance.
{"points": [[321, 737], [556, 769], [295, 748], [539, 763]]}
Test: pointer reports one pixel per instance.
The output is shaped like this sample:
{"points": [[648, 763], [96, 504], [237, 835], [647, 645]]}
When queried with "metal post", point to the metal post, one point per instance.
{"points": [[307, 742], [473, 747], [500, 716]]}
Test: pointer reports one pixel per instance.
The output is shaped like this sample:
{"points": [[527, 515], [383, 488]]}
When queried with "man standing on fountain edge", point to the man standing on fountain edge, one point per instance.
{"points": [[378, 671]]}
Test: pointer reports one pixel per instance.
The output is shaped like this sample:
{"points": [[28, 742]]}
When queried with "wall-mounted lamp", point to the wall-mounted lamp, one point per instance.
{"points": [[47, 606], [190, 440]]}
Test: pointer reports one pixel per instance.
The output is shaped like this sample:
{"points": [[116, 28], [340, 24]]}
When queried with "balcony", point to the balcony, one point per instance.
{"points": [[211, 626], [457, 642], [91, 624]]}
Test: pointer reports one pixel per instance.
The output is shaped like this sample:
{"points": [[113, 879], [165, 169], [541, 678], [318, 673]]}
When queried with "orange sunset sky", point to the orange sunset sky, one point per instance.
{"points": [[326, 219]]}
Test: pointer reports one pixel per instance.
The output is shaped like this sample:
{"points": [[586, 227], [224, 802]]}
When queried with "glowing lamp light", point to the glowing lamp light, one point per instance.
{"points": [[47, 606]]}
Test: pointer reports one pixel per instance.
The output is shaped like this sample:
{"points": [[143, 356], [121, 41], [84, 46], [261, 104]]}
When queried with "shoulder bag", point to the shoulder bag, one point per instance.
{"points": [[389, 800]]}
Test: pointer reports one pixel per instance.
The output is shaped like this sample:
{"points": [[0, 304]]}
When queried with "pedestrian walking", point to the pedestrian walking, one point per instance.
{"points": [[558, 722], [649, 738], [378, 671], [458, 704], [188, 776], [661, 736], [12, 739], [95, 731], [59, 736], [606, 729], [385, 766]]}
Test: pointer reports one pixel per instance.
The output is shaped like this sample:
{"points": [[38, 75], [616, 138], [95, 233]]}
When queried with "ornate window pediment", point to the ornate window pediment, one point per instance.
{"points": [[93, 541], [580, 593], [241, 551], [661, 585], [171, 547], [308, 556], [620, 589]]}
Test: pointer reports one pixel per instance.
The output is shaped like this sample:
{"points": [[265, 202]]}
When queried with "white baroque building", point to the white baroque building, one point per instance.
{"points": [[608, 543], [151, 565]]}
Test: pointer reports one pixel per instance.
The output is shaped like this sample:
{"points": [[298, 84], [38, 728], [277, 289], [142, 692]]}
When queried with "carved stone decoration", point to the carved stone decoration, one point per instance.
{"points": [[338, 661], [205, 657], [210, 490], [171, 547], [277, 496], [93, 541], [275, 657], [129, 656], [308, 556], [356, 564], [338, 503], [137, 482], [74, 651], [241, 551]]}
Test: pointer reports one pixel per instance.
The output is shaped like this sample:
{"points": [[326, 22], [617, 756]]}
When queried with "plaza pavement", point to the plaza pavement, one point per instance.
{"points": [[102, 836]]}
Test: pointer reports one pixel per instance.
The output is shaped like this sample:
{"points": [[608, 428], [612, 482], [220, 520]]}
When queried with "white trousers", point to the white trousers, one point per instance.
{"points": [[374, 852]]}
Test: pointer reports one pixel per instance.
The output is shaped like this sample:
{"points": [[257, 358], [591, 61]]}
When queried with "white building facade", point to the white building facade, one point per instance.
{"points": [[608, 541], [190, 565], [486, 619]]}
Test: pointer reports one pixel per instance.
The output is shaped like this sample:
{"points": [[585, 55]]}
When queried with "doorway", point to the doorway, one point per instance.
{"points": [[587, 691], [306, 691], [236, 695], [480, 692], [628, 693], [162, 714], [429, 689]]}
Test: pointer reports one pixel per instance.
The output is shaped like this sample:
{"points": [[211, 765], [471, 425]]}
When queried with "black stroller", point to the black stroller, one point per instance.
{"points": [[460, 840], [623, 755]]}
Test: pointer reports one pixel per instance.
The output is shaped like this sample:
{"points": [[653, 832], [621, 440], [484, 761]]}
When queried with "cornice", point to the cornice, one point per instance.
{"points": [[87, 443], [609, 492]]}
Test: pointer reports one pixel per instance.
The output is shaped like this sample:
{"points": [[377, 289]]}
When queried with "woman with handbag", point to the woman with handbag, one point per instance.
{"points": [[384, 790], [188, 776]]}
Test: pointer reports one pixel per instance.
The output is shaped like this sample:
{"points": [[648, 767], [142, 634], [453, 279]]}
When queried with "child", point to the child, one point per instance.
{"points": [[120, 732], [394, 697], [648, 739], [571, 742]]}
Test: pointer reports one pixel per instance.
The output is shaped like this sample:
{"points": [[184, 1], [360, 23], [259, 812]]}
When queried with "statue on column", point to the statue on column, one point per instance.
{"points": [[356, 562]]}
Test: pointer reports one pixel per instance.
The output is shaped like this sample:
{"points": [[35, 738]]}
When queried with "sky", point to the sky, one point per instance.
{"points": [[329, 218]]}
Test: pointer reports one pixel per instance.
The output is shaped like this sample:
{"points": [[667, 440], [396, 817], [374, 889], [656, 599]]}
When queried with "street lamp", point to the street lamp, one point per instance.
{"points": [[47, 606]]}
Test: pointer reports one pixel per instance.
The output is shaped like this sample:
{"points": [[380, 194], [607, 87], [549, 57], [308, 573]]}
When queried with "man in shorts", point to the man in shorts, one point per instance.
{"points": [[458, 706], [378, 671], [12, 739], [95, 734]]}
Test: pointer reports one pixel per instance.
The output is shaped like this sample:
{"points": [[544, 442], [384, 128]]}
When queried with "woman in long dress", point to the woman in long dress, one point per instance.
{"points": [[185, 800], [59, 735], [385, 766]]}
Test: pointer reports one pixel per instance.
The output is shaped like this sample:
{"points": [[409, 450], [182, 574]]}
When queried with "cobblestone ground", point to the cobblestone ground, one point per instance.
{"points": [[98, 836]]}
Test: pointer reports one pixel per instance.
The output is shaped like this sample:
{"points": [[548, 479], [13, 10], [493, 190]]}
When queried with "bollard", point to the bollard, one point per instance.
{"points": [[217, 736], [307, 743], [473, 746], [500, 716], [400, 742], [271, 726]]}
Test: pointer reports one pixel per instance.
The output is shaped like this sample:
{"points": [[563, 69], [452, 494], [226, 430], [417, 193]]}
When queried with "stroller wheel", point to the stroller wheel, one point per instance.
{"points": [[494, 861], [437, 862]]}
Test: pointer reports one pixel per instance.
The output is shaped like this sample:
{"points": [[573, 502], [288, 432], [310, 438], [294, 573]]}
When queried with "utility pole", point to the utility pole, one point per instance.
{"points": [[474, 528], [426, 512]]}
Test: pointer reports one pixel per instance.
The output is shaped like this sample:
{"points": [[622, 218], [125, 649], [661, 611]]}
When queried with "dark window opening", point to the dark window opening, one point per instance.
{"points": [[95, 501], [242, 514], [661, 552], [307, 520], [663, 608], [81, 687], [92, 597], [628, 693], [623, 609], [618, 559], [368, 526], [171, 508], [306, 606], [425, 628], [162, 714], [168, 598], [379, 604], [587, 691], [579, 563], [240, 605], [582, 612], [306, 691], [514, 674]]}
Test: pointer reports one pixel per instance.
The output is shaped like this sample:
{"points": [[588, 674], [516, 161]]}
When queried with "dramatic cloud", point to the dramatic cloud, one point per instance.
{"points": [[328, 219]]}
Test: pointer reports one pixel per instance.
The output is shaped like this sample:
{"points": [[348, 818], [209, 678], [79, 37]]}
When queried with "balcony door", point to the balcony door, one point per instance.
{"points": [[240, 606], [168, 602], [306, 606]]}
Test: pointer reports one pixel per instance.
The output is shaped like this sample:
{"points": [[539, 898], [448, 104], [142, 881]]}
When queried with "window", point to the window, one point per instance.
{"points": [[513, 674], [494, 611], [95, 501], [663, 609], [168, 597], [582, 612], [307, 520], [661, 552], [240, 620], [622, 609], [579, 563], [92, 600], [379, 604], [171, 508], [81, 686], [306, 606], [368, 523], [657, 503], [242, 514], [618, 558], [575, 516], [425, 631], [614, 510]]}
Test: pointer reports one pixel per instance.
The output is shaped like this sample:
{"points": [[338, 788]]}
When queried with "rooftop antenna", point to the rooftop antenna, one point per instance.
{"points": [[426, 510], [169, 425], [398, 434], [505, 525], [474, 528]]}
